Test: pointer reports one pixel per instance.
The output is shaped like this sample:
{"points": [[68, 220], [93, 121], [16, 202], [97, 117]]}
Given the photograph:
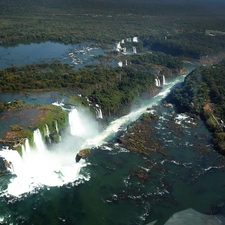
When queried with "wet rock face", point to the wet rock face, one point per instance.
{"points": [[5, 166]]}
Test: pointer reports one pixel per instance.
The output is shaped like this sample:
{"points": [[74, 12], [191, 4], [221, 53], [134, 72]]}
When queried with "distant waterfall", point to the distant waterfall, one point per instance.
{"points": [[76, 126], [120, 64], [26, 150], [56, 126], [157, 82], [99, 113], [38, 141], [47, 133], [134, 50], [163, 80]]}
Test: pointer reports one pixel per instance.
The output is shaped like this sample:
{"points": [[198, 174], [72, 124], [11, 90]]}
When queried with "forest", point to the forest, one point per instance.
{"points": [[176, 29], [173, 32], [112, 88], [203, 95]]}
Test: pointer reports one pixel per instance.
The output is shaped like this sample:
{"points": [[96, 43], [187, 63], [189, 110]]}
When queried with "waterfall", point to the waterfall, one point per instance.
{"points": [[57, 167], [99, 113], [120, 64], [76, 126], [56, 126], [26, 150], [115, 126], [163, 80], [38, 141], [135, 39], [158, 82], [118, 46], [134, 50], [47, 133]]}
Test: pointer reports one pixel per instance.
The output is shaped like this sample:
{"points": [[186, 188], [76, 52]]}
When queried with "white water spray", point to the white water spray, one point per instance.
{"points": [[115, 126], [39, 166], [163, 80], [98, 112]]}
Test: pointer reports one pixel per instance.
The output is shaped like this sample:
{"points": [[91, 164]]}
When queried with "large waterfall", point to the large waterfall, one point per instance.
{"points": [[40, 166]]}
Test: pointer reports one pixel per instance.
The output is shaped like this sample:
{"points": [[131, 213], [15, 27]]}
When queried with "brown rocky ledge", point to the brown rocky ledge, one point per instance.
{"points": [[138, 136], [84, 153]]}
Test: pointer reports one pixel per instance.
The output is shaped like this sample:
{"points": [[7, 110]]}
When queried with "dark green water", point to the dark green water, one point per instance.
{"points": [[189, 176]]}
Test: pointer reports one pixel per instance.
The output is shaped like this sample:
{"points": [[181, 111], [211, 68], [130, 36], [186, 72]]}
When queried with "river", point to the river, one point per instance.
{"points": [[78, 55], [105, 189], [48, 187]]}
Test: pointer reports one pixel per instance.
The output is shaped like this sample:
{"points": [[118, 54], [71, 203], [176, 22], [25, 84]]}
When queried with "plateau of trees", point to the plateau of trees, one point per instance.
{"points": [[112, 88], [203, 94]]}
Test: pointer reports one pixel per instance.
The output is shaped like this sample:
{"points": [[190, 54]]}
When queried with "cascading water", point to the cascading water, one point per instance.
{"points": [[98, 112], [40, 146], [47, 133], [76, 126], [114, 126], [26, 150], [39, 166], [163, 80], [159, 82], [56, 127]]}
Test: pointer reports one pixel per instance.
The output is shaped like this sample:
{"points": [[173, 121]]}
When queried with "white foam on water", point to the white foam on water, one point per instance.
{"points": [[114, 126], [40, 166]]}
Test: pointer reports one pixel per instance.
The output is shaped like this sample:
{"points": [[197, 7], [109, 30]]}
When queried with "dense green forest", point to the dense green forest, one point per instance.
{"points": [[203, 94], [112, 88], [157, 59], [177, 29], [187, 30]]}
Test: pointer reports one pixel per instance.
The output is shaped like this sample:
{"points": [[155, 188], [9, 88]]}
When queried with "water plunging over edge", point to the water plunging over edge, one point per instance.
{"points": [[39, 166]]}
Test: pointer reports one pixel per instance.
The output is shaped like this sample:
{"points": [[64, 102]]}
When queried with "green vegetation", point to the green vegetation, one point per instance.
{"points": [[202, 94], [192, 95], [187, 30], [49, 114], [157, 59], [172, 30], [16, 127], [192, 45], [112, 88]]}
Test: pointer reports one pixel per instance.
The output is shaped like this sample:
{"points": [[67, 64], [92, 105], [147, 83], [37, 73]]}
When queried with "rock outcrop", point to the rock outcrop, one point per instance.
{"points": [[84, 153]]}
